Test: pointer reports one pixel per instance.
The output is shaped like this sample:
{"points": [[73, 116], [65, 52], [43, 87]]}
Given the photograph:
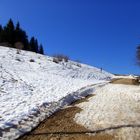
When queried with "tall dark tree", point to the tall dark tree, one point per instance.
{"points": [[18, 26], [1, 33], [17, 33], [20, 36], [138, 55], [9, 32], [0, 28], [12, 36], [41, 50], [32, 44], [36, 46]]}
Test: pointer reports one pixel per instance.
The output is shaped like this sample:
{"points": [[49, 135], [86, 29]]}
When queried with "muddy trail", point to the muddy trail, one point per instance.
{"points": [[125, 81], [61, 126]]}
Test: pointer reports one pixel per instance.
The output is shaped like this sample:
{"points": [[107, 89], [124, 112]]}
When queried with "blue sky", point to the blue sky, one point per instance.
{"points": [[102, 33]]}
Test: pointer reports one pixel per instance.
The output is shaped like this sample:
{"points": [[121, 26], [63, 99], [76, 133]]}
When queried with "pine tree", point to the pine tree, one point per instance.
{"points": [[12, 36], [3, 37], [1, 33], [32, 44], [17, 33], [36, 46], [8, 32], [17, 26], [20, 36], [41, 50], [0, 28]]}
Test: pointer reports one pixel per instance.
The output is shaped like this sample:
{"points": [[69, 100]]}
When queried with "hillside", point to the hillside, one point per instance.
{"points": [[33, 84]]}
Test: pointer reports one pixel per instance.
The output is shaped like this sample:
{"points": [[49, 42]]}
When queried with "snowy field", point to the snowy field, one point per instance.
{"points": [[26, 86], [113, 106]]}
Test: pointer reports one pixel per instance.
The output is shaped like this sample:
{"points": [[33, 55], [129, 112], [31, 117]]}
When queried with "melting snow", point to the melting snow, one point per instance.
{"points": [[113, 105], [25, 86]]}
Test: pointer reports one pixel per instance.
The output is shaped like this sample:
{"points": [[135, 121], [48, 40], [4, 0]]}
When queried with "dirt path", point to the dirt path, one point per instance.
{"points": [[58, 125], [125, 81], [62, 121]]}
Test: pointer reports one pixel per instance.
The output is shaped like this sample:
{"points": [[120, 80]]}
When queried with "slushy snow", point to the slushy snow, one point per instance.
{"points": [[113, 106]]}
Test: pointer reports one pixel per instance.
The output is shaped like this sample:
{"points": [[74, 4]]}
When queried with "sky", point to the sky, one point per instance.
{"points": [[101, 33]]}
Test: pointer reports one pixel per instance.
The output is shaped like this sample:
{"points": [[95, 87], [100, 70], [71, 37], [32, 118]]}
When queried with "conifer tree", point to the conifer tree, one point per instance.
{"points": [[32, 44], [0, 28], [12, 36], [36, 46], [1, 33], [9, 32], [20, 36], [41, 50], [17, 36]]}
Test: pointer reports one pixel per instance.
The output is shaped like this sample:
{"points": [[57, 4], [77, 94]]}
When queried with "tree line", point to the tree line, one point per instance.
{"points": [[14, 36]]}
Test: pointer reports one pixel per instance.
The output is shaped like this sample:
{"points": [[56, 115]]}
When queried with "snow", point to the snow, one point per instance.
{"points": [[113, 105], [31, 88]]}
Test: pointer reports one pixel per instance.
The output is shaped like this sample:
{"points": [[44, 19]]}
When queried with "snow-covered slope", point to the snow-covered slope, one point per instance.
{"points": [[27, 85]]}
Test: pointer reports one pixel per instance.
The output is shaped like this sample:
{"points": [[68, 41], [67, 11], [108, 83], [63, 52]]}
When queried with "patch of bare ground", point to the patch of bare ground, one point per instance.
{"points": [[62, 124], [126, 81]]}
